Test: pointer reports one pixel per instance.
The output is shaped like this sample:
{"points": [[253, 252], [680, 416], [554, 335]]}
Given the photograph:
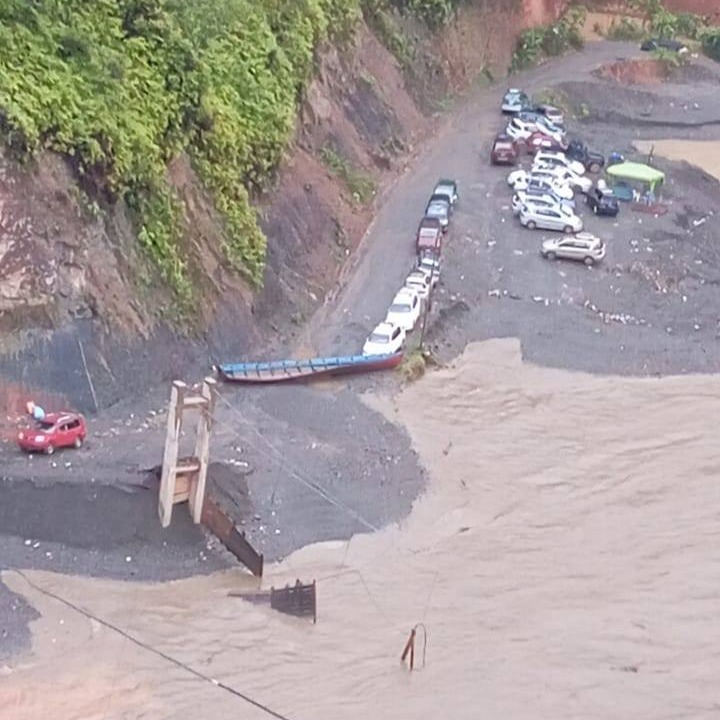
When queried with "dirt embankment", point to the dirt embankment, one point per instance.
{"points": [[81, 315]]}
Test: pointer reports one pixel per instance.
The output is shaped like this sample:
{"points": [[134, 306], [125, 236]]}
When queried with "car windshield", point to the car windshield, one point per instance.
{"points": [[44, 425], [503, 145], [379, 338], [564, 211], [400, 308], [437, 210]]}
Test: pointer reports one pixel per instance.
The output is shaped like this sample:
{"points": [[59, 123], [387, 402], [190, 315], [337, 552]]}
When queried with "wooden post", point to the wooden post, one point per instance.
{"points": [[202, 448], [172, 444]]}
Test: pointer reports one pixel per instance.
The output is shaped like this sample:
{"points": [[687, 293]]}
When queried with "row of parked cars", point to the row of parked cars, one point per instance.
{"points": [[409, 302], [544, 195]]}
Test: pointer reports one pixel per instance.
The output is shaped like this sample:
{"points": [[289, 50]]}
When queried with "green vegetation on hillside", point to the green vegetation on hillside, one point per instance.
{"points": [[122, 86], [657, 21], [549, 40]]}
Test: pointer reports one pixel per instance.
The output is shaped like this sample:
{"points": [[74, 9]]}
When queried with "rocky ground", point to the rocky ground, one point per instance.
{"points": [[651, 307]]}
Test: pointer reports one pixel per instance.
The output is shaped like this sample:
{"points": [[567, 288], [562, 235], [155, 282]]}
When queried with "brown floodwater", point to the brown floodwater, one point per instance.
{"points": [[705, 154], [565, 560]]}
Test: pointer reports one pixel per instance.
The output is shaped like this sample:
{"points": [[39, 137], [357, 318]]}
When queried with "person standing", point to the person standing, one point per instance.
{"points": [[35, 411]]}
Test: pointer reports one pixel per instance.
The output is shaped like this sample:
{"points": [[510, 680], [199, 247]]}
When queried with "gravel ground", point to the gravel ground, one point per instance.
{"points": [[280, 453]]}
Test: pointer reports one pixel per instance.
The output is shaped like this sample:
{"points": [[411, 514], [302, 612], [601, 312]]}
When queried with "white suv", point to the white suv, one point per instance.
{"points": [[559, 159], [557, 218], [521, 198], [563, 175]]}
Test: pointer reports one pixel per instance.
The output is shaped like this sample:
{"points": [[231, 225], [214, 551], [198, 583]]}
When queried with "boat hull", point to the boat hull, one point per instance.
{"points": [[299, 370]]}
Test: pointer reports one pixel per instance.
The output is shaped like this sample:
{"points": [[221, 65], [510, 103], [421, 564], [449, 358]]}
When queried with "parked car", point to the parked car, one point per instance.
{"points": [[602, 203], [558, 218], [429, 263], [564, 175], [540, 141], [405, 309], [446, 189], [663, 44], [524, 180], [504, 151], [584, 247], [439, 208], [514, 100], [520, 130], [420, 282], [553, 114], [545, 199], [54, 431], [544, 185], [559, 159], [540, 121], [385, 339], [429, 235], [592, 161]]}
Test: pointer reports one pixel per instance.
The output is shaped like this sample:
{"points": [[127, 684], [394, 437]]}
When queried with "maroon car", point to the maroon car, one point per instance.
{"points": [[504, 151], [539, 141], [55, 430], [429, 236]]}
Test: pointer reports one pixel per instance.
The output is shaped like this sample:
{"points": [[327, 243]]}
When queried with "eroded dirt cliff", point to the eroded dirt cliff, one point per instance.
{"points": [[80, 314]]}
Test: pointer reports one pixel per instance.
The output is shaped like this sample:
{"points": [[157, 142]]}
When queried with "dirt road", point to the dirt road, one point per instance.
{"points": [[651, 308]]}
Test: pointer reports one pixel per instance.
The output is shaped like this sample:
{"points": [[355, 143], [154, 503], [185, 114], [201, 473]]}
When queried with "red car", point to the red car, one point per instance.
{"points": [[429, 236], [55, 430], [504, 151], [540, 141]]}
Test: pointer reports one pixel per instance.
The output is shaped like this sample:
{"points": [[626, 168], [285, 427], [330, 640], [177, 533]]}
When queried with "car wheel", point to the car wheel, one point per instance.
{"points": [[594, 167], [568, 230], [78, 443], [531, 225], [588, 261], [551, 255], [50, 449]]}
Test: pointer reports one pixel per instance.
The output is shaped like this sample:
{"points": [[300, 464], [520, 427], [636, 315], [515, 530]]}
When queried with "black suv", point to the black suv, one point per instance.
{"points": [[602, 203], [663, 44], [577, 150]]}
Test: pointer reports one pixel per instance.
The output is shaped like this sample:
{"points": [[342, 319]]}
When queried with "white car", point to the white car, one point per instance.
{"points": [[553, 114], [564, 176], [514, 100], [430, 265], [519, 129], [385, 339], [547, 199], [559, 159], [522, 180], [405, 309], [557, 218], [448, 189], [585, 247], [420, 282]]}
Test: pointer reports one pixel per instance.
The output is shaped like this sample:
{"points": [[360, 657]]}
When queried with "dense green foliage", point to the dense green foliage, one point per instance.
{"points": [[711, 45], [625, 29], [123, 86], [549, 40]]}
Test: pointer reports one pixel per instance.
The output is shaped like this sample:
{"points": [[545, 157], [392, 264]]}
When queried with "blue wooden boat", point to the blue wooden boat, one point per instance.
{"points": [[284, 370]]}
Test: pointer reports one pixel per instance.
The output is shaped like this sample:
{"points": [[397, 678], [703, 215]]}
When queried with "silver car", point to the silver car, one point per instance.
{"points": [[584, 247], [549, 199], [554, 218], [440, 210]]}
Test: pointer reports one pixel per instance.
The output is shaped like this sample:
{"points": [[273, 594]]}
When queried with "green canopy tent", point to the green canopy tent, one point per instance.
{"points": [[637, 172]]}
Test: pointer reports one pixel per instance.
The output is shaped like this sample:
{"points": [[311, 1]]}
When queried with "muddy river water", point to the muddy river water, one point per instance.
{"points": [[565, 561]]}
